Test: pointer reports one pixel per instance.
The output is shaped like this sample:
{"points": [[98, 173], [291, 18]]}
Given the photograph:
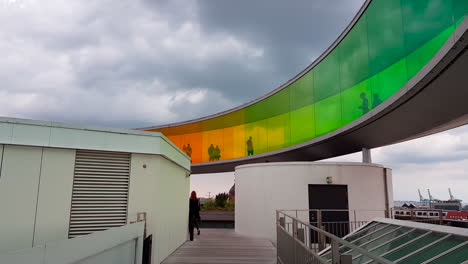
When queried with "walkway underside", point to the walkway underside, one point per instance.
{"points": [[224, 246]]}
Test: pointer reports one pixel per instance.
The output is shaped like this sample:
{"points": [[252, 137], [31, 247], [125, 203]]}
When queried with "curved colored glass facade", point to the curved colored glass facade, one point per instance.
{"points": [[387, 46]]}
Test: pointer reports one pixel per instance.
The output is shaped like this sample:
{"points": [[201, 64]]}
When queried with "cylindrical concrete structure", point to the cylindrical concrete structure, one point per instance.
{"points": [[261, 189]]}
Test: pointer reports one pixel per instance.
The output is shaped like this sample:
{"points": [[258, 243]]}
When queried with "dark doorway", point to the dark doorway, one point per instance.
{"points": [[147, 246], [329, 197]]}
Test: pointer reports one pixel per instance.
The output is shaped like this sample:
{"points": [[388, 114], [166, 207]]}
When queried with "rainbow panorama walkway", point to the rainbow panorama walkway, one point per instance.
{"points": [[224, 246]]}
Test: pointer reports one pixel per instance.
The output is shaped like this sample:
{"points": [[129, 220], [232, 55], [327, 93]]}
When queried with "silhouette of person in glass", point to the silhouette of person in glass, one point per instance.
{"points": [[189, 150], [217, 153], [365, 104], [250, 150], [211, 153], [376, 101]]}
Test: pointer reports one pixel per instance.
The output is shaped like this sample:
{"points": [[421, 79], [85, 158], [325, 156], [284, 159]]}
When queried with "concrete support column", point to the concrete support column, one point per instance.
{"points": [[366, 156]]}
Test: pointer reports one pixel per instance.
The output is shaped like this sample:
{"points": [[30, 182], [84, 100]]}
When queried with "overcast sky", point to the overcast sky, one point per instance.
{"points": [[136, 63]]}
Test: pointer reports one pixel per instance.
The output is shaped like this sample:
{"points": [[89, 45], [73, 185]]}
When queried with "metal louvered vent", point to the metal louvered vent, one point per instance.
{"points": [[100, 191]]}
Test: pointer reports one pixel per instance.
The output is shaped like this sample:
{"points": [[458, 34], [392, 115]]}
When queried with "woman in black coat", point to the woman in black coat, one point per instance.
{"points": [[194, 214]]}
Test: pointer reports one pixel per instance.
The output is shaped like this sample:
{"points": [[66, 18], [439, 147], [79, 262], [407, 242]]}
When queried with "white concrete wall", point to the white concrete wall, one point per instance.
{"points": [[19, 182], [35, 195], [119, 245], [54, 200], [161, 190], [261, 189]]}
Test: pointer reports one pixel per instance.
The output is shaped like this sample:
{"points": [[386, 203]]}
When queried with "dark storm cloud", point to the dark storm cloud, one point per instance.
{"points": [[292, 34], [142, 63]]}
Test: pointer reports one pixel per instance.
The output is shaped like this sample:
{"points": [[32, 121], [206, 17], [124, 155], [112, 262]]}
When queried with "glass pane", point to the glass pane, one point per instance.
{"points": [[274, 105], [278, 131], [302, 92], [421, 56], [193, 146], [239, 142], [388, 82], [386, 238], [460, 8], [354, 57], [374, 235], [394, 244], [256, 132], [458, 256], [385, 34], [328, 115], [361, 259], [212, 147], [371, 228], [302, 124], [356, 102], [327, 77], [413, 246], [434, 250], [234, 119], [423, 20]]}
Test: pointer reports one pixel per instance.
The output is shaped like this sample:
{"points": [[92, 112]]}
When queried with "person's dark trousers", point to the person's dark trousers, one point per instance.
{"points": [[191, 226]]}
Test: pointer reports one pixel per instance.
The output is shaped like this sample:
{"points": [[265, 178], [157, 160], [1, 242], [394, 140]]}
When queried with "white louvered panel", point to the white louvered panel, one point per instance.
{"points": [[100, 191]]}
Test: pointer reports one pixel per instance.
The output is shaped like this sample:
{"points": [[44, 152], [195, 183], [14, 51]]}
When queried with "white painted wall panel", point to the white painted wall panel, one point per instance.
{"points": [[161, 189], [173, 187], [19, 181], [56, 181], [261, 189], [121, 254]]}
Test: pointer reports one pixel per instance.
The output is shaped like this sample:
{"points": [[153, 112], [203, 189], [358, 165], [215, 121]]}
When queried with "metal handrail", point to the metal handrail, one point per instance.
{"points": [[335, 241]]}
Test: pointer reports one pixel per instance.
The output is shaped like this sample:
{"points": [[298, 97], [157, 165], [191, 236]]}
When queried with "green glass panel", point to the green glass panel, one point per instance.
{"points": [[387, 247], [356, 102], [385, 31], [413, 246], [274, 105], [459, 255], [374, 235], [278, 131], [327, 77], [360, 233], [327, 115], [364, 231], [354, 59], [460, 9], [386, 238], [387, 82], [302, 92], [361, 259], [420, 57], [423, 20], [302, 124], [434, 250]]}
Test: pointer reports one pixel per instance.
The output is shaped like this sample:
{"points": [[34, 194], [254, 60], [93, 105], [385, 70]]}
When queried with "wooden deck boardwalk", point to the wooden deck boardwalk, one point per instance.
{"points": [[223, 246]]}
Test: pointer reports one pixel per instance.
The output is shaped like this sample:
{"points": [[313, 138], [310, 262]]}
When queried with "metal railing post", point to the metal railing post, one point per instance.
{"points": [[346, 259], [441, 217], [294, 223], [335, 250], [321, 238], [301, 241]]}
